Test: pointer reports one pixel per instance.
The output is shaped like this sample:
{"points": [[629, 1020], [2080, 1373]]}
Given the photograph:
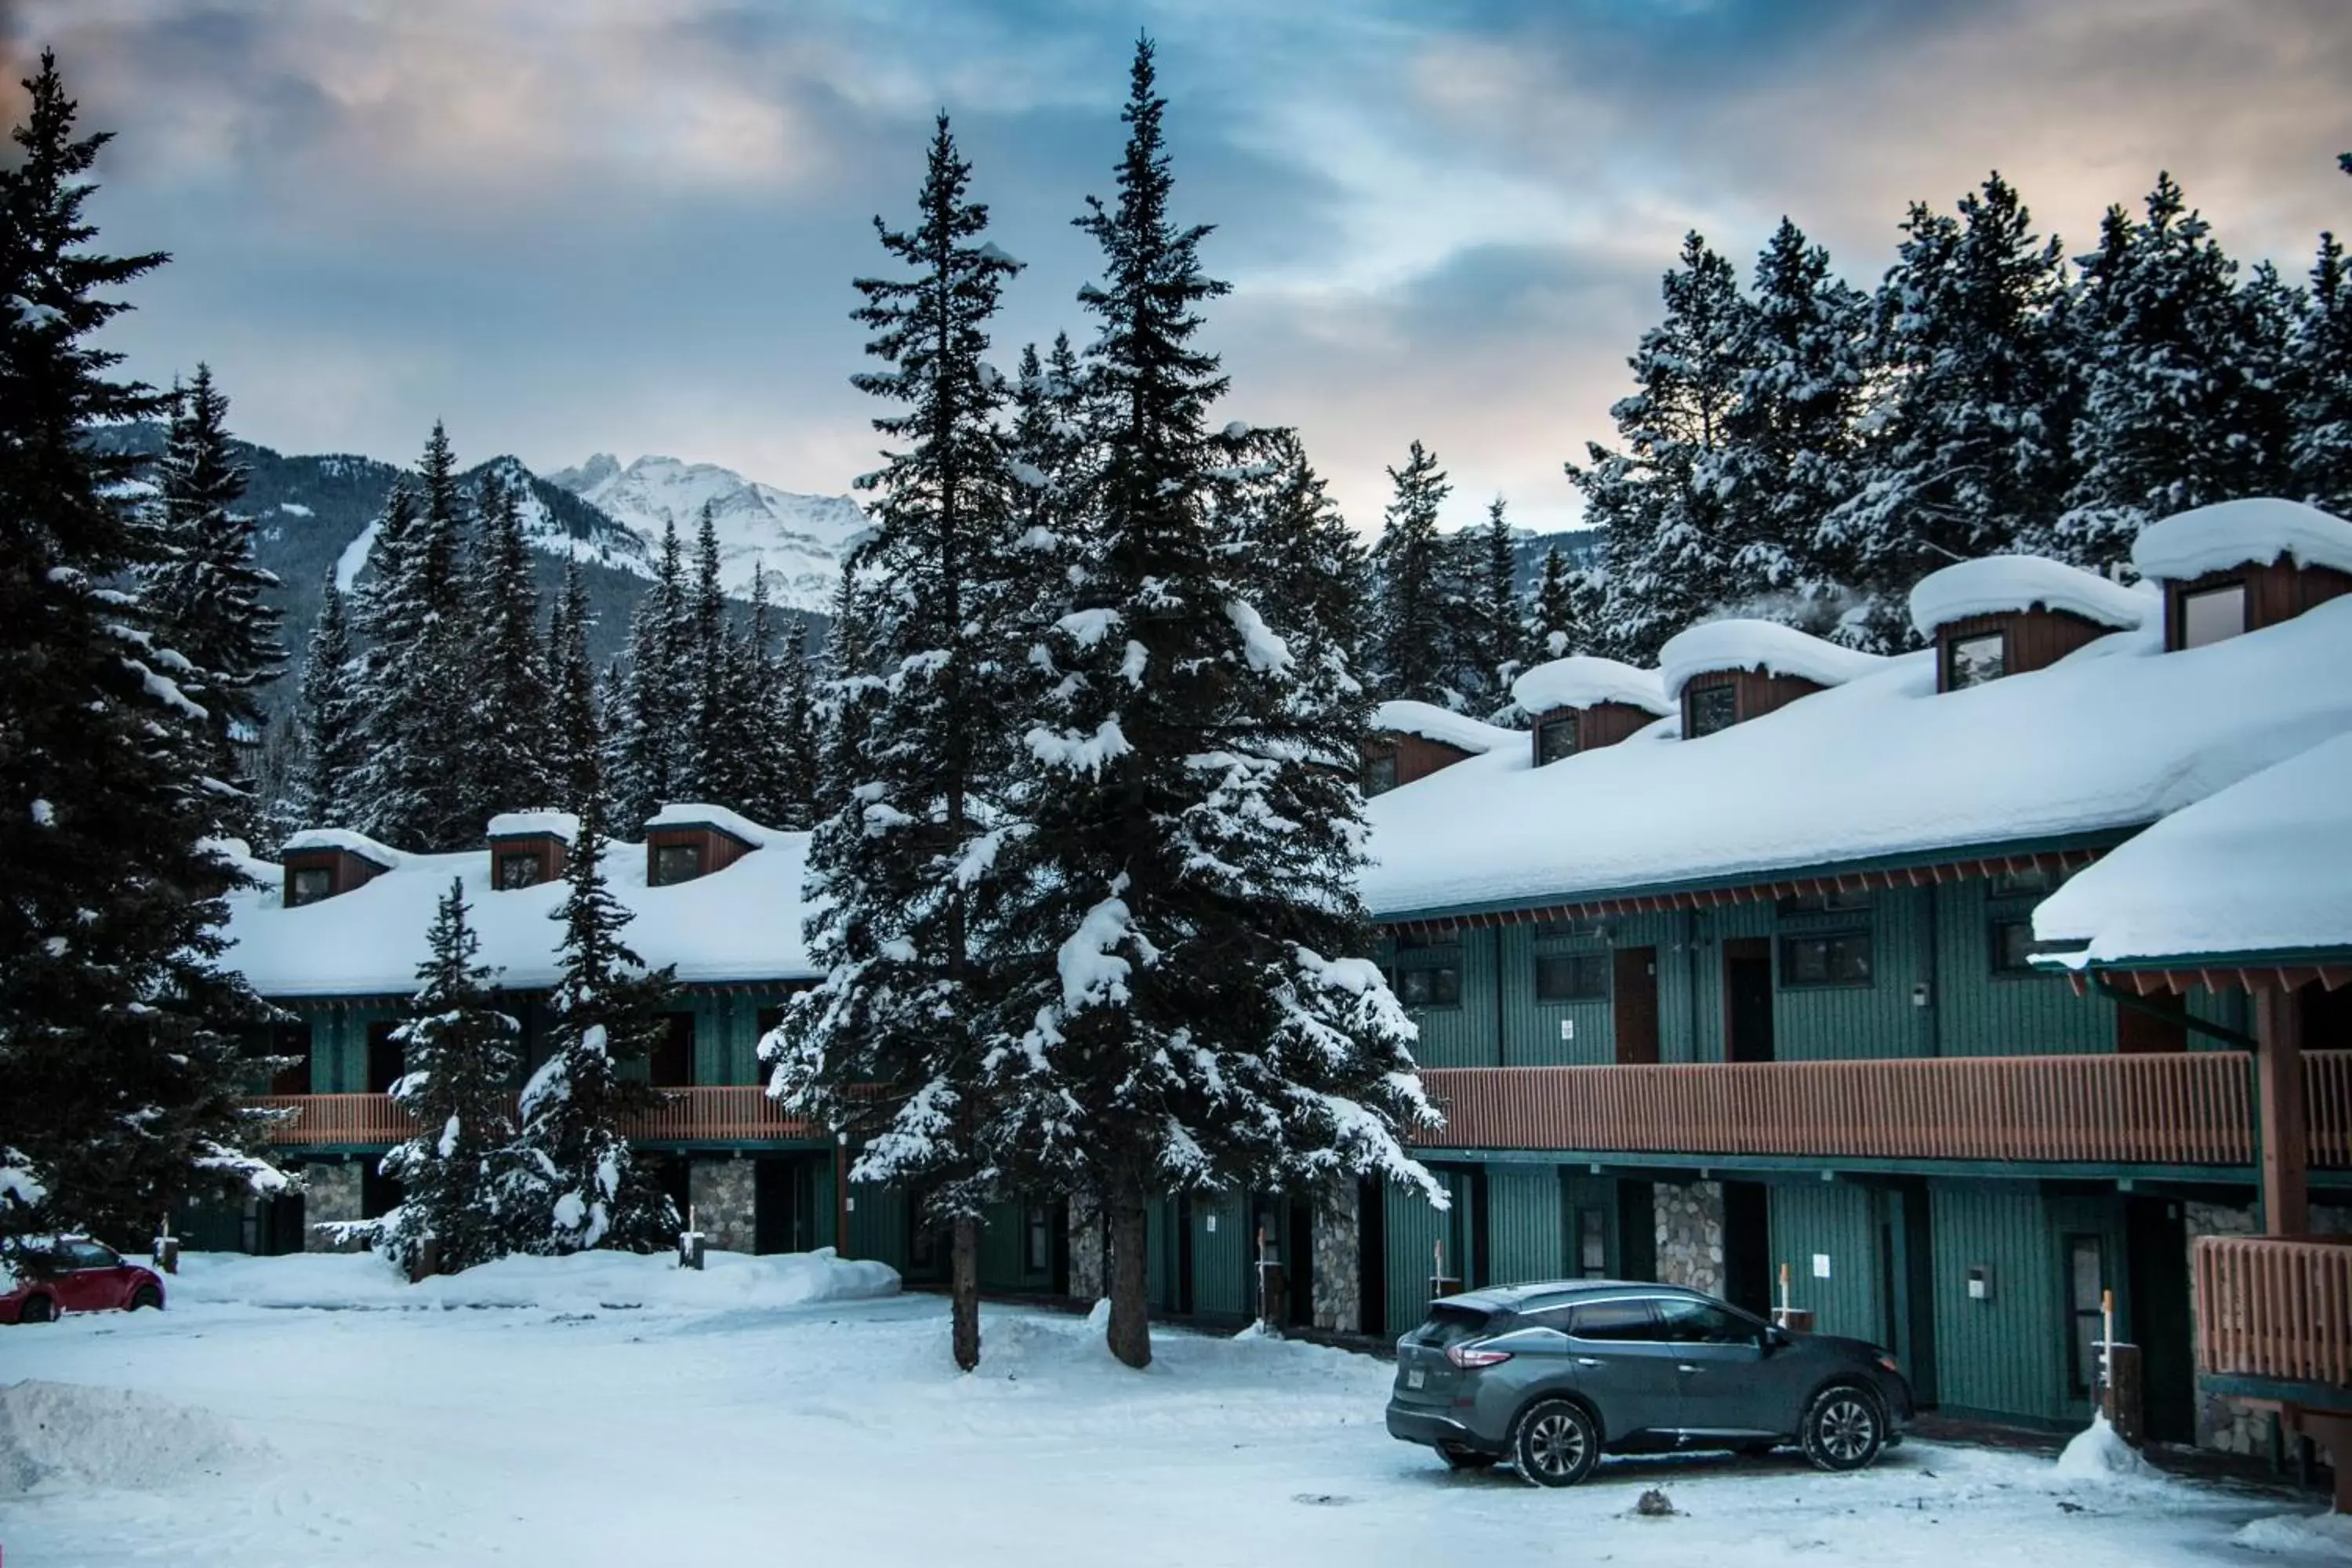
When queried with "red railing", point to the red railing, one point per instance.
{"points": [[2328, 1107], [2275, 1308], [2176, 1109], [717, 1114]]}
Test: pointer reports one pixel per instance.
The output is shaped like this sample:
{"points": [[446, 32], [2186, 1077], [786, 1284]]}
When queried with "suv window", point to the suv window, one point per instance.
{"points": [[1449, 1326], [1619, 1319], [1690, 1322]]}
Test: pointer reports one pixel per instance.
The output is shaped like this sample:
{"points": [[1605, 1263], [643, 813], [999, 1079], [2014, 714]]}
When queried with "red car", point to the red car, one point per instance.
{"points": [[75, 1274]]}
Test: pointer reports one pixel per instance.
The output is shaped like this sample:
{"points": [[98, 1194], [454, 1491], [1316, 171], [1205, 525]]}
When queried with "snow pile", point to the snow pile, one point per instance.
{"points": [[2097, 1453], [700, 813], [2263, 866], [583, 1281], [1767, 646], [351, 843], [2257, 531], [561, 824], [2002, 584], [1431, 722], [2325, 1536], [58, 1435], [1583, 680]]}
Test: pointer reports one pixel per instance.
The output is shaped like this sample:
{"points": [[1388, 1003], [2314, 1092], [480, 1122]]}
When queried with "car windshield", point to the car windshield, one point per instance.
{"points": [[1450, 1325]]}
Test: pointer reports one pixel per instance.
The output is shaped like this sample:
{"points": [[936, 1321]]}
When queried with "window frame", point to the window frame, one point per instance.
{"points": [[1376, 764], [1827, 939], [2189, 597], [1571, 723], [299, 876], [1587, 966], [1997, 955], [1432, 1002], [1998, 636], [1646, 1305], [1037, 1239], [662, 854], [2080, 1315], [531, 859], [1750, 1333], [1700, 690]]}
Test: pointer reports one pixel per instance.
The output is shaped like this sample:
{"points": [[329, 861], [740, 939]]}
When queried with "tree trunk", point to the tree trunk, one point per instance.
{"points": [[964, 1291], [1130, 1310]]}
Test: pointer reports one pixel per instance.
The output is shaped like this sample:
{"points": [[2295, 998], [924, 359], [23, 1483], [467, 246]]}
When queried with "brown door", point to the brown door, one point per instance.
{"points": [[1747, 999], [1635, 987]]}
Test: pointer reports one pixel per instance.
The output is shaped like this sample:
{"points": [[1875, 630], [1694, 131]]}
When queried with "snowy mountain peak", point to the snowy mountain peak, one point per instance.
{"points": [[798, 540]]}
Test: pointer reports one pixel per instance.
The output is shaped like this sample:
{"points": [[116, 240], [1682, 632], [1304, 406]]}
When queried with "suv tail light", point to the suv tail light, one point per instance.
{"points": [[1471, 1357]]}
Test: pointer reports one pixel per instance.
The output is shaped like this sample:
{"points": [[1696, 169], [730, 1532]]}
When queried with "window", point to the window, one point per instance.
{"points": [[308, 884], [89, 1255], [518, 868], [2012, 947], [1973, 660], [1572, 977], [1591, 1244], [1689, 1322], [1826, 958], [1830, 903], [1427, 941], [1379, 774], [2086, 1281], [1709, 709], [2212, 614], [1438, 986], [1607, 1321], [2030, 884], [1555, 739], [677, 863], [1037, 1239]]}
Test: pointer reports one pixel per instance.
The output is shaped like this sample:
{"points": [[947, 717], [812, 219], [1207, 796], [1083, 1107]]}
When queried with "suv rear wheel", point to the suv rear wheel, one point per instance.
{"points": [[1556, 1444], [1844, 1428]]}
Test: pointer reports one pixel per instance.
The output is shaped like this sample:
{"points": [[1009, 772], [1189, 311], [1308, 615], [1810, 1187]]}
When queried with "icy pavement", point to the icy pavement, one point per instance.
{"points": [[836, 1433]]}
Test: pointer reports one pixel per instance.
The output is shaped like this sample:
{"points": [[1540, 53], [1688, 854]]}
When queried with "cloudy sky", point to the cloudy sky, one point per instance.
{"points": [[568, 225]]}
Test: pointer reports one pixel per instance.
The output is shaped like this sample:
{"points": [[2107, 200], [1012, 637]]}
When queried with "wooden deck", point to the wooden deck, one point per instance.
{"points": [[729, 1113], [2275, 1309]]}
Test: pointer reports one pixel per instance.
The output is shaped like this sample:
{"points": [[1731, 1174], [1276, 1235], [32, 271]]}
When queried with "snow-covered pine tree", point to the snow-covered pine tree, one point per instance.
{"points": [[2321, 456], [207, 595], [1188, 833], [118, 1082], [766, 763], [331, 728], [650, 726], [1668, 561], [1555, 625], [1416, 638], [576, 1184], [1486, 623], [1967, 443], [575, 726], [889, 1049], [707, 683], [460, 1051], [510, 744]]}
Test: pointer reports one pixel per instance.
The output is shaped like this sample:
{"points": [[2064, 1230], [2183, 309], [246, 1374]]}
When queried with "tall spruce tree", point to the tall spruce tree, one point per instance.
{"points": [[652, 723], [459, 1051], [706, 683], [768, 765], [2321, 454], [207, 595], [118, 1078], [332, 727], [1486, 625], [1415, 582], [576, 714], [901, 869], [1178, 1009], [509, 742], [1555, 625], [576, 1184]]}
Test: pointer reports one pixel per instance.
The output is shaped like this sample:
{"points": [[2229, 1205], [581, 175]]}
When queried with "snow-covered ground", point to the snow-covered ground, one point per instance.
{"points": [[696, 1432]]}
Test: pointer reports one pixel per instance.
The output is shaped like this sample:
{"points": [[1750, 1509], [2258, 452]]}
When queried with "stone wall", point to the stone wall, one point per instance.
{"points": [[331, 1192], [1690, 1235], [1089, 1280], [725, 1203], [2228, 1424], [1339, 1281]]}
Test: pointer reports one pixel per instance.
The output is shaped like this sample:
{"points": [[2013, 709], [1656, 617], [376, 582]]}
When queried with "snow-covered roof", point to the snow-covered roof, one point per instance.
{"points": [[693, 814], [740, 923], [1767, 646], [344, 838], [2114, 736], [1583, 680], [2001, 584], [2228, 534], [561, 824], [2264, 866], [1444, 726]]}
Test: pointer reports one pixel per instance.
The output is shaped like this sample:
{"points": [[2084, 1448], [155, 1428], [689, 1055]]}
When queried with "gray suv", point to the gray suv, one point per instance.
{"points": [[1548, 1377]]}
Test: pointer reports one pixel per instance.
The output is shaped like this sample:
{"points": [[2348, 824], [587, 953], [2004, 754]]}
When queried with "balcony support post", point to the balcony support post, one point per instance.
{"points": [[2278, 1079]]}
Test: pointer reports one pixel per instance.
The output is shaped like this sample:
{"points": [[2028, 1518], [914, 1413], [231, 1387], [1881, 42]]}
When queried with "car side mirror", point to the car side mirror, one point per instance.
{"points": [[1777, 1338]]}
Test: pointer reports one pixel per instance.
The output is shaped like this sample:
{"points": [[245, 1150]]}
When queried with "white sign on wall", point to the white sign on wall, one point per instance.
{"points": [[1821, 1265]]}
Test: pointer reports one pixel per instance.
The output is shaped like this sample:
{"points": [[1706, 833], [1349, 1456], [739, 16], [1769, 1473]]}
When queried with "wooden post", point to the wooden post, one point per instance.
{"points": [[2278, 1079], [841, 1198], [2122, 1400]]}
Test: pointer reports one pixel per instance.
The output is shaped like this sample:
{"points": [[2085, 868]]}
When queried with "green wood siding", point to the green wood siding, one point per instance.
{"points": [[1702, 1023], [1464, 1035], [1982, 1012], [1532, 1029], [1836, 1220], [2005, 1355], [878, 1224], [1412, 1227], [1220, 1256], [1004, 1251], [1523, 1223], [1854, 1021]]}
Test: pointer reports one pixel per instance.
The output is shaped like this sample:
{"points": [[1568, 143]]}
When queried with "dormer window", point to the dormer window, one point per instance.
{"points": [[675, 863], [308, 884], [1379, 774], [1556, 738], [2212, 614], [1707, 709], [324, 863], [520, 868], [1976, 659]]}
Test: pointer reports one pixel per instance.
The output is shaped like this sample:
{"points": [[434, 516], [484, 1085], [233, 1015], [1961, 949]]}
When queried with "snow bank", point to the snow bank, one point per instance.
{"points": [[56, 1436], [2238, 533], [357, 844], [563, 824], [2001, 584], [2326, 1536], [1431, 723], [580, 1283], [1583, 680], [2263, 866], [2097, 1453], [1767, 646]]}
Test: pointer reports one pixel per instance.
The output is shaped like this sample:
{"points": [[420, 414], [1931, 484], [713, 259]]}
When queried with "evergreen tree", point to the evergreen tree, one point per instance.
{"points": [[769, 764], [576, 715], [206, 593], [1178, 1009], [1555, 625], [1971, 425], [460, 1052], [713, 736], [1486, 626], [900, 870], [650, 732], [511, 743], [2321, 454], [1415, 637], [117, 1079], [331, 726], [576, 1183]]}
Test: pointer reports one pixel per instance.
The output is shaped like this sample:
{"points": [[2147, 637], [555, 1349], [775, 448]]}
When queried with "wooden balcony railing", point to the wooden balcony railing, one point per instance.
{"points": [[723, 1113], [2177, 1109], [2274, 1308]]}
